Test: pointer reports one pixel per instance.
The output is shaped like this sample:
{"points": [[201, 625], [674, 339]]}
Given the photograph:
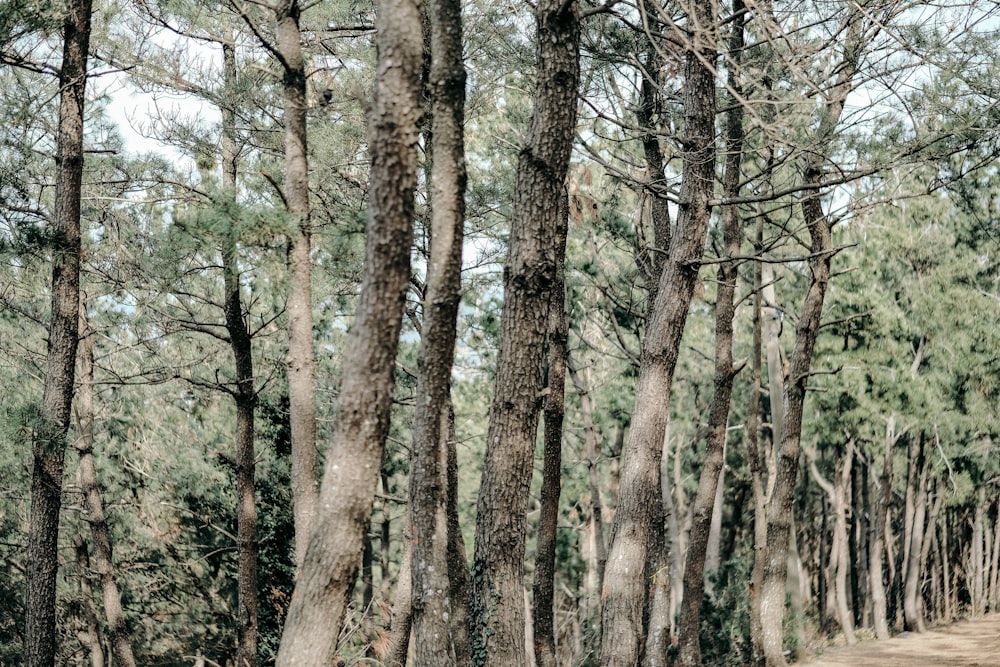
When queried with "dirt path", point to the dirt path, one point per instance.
{"points": [[971, 643]]}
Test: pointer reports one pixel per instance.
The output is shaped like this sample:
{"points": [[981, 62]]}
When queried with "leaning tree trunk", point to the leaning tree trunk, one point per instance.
{"points": [[545, 553], [245, 395], [118, 635], [498, 623], [435, 634], [779, 511], [625, 581], [301, 362], [725, 311], [353, 462], [49, 442]]}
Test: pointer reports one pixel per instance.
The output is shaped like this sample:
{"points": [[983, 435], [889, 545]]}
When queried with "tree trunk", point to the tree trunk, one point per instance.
{"points": [[779, 511], [49, 441], [91, 639], [300, 362], [912, 617], [433, 604], [87, 475], [625, 579], [877, 541], [353, 462], [838, 561], [858, 547], [543, 589], [665, 565], [704, 511], [994, 561], [755, 456], [245, 395], [402, 609], [458, 564], [529, 277], [592, 453]]}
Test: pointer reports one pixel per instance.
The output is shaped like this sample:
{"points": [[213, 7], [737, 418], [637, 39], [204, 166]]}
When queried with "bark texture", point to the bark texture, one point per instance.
{"points": [[245, 394], [498, 618], [877, 539], [434, 606], [118, 636], [625, 578], [543, 587], [354, 459], [301, 357], [779, 511], [704, 511], [49, 441]]}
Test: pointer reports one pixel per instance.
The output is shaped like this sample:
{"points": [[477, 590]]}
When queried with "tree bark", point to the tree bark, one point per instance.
{"points": [[877, 540], [434, 606], [245, 394], [912, 616], [622, 627], [91, 639], [353, 462], [718, 420], [49, 441], [543, 588], [300, 362], [498, 624], [592, 452], [779, 511], [402, 609], [839, 563], [118, 635]]}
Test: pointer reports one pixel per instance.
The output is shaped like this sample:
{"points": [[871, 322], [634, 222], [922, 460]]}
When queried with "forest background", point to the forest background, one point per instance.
{"points": [[739, 259]]}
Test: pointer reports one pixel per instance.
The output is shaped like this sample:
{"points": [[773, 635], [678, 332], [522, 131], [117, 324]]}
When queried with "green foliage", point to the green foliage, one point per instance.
{"points": [[725, 617]]}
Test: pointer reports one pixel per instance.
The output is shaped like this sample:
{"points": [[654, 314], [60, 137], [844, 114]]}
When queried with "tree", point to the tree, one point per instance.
{"points": [[530, 274], [49, 440], [438, 566], [622, 625], [354, 457], [301, 364], [118, 635], [725, 311]]}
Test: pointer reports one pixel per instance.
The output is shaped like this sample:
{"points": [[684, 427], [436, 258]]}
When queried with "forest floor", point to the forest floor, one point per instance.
{"points": [[969, 643]]}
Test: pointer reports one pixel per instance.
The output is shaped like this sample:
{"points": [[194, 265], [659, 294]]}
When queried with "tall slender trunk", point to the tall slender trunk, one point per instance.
{"points": [[779, 511], [839, 553], [622, 627], [301, 363], [245, 394], [592, 451], [118, 635], [755, 457], [458, 564], [877, 540], [531, 273], [91, 638], [994, 561], [434, 632], [402, 609], [353, 462], [49, 441], [912, 616], [718, 420], [543, 588]]}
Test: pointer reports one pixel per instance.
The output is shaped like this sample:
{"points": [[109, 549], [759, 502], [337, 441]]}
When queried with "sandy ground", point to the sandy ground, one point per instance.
{"points": [[967, 643]]}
